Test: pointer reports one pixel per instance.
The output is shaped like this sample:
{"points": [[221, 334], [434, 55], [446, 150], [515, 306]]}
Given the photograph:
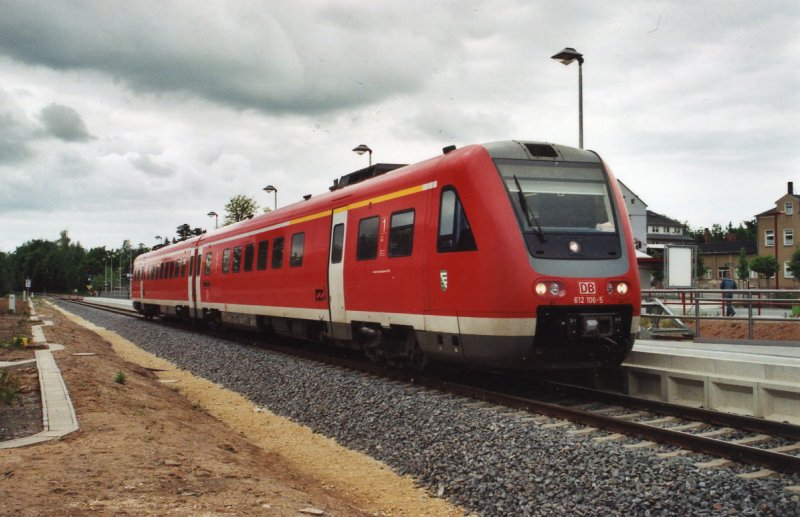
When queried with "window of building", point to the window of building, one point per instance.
{"points": [[769, 238], [455, 233], [249, 251], [788, 208], [722, 271], [277, 253], [237, 258], [263, 253], [226, 260], [367, 248], [788, 237], [401, 234], [708, 273], [786, 272], [208, 263], [298, 242], [337, 243]]}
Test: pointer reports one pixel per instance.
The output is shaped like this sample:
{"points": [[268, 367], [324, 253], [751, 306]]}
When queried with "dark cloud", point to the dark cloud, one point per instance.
{"points": [[64, 123], [276, 59], [146, 164]]}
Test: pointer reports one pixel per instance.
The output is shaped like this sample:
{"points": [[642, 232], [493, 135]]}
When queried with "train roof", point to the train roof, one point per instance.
{"points": [[365, 182]]}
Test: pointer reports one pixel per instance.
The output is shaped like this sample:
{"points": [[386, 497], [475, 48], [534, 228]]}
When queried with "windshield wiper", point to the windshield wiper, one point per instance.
{"points": [[528, 212]]}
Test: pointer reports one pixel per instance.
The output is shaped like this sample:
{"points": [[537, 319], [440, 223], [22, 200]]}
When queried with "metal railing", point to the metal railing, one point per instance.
{"points": [[752, 305]]}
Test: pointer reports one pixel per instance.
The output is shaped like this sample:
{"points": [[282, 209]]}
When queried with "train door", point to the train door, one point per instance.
{"points": [[339, 327], [194, 281]]}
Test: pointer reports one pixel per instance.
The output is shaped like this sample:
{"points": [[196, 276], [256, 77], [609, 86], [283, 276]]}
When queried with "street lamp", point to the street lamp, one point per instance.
{"points": [[270, 188], [361, 149], [216, 218], [565, 57]]}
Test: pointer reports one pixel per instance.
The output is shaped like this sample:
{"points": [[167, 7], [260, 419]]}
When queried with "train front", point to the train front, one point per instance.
{"points": [[579, 243]]}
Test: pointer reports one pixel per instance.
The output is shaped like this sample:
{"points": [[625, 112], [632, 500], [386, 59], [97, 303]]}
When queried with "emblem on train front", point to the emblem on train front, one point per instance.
{"points": [[443, 279]]}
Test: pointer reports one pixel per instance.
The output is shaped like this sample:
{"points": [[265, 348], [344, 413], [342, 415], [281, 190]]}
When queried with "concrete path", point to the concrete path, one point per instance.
{"points": [[58, 415]]}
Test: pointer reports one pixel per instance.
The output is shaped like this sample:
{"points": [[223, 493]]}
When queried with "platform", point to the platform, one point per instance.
{"points": [[757, 378]]}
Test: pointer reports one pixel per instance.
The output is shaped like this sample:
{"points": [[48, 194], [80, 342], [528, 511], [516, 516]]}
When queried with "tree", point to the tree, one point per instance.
{"points": [[184, 232], [701, 265], [764, 265], [794, 264], [743, 270], [239, 208]]}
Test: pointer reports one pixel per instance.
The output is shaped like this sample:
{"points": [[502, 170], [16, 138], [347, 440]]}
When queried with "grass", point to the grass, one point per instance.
{"points": [[119, 378], [8, 387]]}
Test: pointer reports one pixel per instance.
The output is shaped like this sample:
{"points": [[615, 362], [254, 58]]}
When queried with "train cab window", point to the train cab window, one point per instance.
{"points": [[296, 257], [226, 260], [237, 259], [367, 247], [209, 258], [249, 251], [455, 233], [277, 253], [263, 253], [337, 243], [401, 234]]}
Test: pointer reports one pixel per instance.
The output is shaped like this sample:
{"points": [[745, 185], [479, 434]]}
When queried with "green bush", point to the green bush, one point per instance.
{"points": [[8, 387]]}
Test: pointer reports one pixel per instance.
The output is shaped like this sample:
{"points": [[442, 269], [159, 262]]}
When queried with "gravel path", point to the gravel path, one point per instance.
{"points": [[488, 461]]}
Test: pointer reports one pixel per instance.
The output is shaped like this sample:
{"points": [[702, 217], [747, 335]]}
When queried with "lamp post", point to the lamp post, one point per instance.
{"points": [[216, 218], [270, 188], [565, 57], [361, 149]]}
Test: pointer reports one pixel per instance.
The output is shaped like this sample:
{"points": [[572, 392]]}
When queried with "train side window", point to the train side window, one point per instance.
{"points": [[337, 246], [183, 266], [298, 243], [237, 259], [263, 253], [455, 233], [177, 268], [277, 253], [209, 258], [161, 270], [401, 234], [249, 251], [226, 260], [367, 248], [191, 265]]}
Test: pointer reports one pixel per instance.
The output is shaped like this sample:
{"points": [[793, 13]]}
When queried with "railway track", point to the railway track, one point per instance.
{"points": [[771, 445]]}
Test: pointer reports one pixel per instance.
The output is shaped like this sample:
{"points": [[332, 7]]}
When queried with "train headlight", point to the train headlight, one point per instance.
{"points": [[574, 247], [618, 288], [550, 289]]}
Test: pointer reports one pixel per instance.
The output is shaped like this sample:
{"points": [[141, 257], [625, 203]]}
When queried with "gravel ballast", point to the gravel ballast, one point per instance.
{"points": [[488, 461]]}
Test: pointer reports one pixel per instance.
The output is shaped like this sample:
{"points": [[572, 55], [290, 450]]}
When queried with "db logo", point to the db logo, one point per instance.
{"points": [[587, 288]]}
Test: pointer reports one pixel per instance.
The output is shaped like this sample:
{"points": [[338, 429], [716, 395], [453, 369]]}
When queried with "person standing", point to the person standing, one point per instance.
{"points": [[728, 284]]}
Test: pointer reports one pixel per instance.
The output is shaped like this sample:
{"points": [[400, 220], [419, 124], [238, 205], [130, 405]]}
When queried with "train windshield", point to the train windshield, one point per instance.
{"points": [[565, 209], [559, 197]]}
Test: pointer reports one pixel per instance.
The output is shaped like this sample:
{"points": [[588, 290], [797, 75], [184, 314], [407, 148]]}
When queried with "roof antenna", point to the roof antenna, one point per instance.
{"points": [[448, 149]]}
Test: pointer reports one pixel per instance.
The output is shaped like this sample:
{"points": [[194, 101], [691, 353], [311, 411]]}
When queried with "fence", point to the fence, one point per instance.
{"points": [[754, 305]]}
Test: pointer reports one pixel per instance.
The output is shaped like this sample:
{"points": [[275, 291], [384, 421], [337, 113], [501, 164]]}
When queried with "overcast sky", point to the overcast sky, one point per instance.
{"points": [[123, 120]]}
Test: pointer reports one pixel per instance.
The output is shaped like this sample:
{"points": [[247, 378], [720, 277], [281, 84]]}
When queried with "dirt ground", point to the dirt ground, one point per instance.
{"points": [[737, 329], [167, 443]]}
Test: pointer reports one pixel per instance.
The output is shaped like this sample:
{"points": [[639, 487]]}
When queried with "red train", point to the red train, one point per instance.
{"points": [[510, 255]]}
